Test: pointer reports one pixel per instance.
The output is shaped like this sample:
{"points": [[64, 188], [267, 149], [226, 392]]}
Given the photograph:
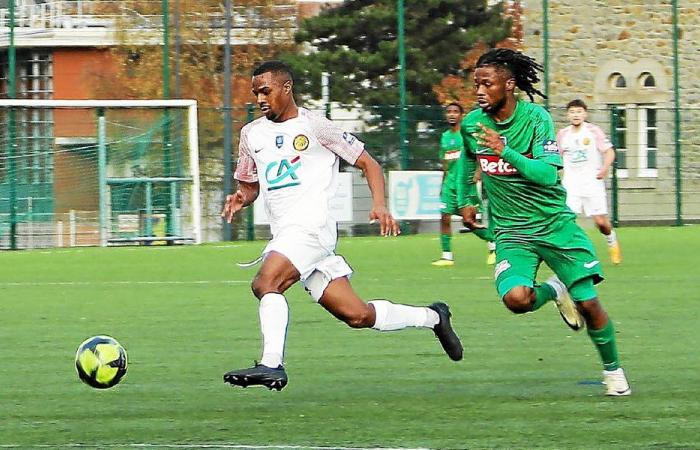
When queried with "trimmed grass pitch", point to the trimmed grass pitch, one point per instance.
{"points": [[186, 316]]}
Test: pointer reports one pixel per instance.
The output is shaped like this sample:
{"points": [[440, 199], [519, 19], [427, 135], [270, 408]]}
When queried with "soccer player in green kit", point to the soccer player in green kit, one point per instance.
{"points": [[514, 143], [458, 189]]}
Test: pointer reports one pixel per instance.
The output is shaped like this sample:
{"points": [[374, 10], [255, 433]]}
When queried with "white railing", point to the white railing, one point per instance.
{"points": [[103, 14]]}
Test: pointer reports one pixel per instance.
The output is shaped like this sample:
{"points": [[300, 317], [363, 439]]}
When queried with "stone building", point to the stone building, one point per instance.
{"points": [[621, 54]]}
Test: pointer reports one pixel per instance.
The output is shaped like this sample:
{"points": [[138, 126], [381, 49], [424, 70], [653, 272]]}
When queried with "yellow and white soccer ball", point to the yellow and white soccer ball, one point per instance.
{"points": [[101, 362]]}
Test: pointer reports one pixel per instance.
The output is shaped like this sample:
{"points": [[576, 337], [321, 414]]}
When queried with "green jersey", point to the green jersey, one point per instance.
{"points": [[518, 204], [451, 147]]}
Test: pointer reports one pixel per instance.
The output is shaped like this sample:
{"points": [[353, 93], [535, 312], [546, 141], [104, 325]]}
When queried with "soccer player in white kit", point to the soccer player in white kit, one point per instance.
{"points": [[291, 155], [587, 154]]}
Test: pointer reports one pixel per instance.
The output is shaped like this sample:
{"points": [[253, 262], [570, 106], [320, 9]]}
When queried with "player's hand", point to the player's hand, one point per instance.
{"points": [[477, 176], [469, 219], [490, 139], [602, 174], [387, 224], [233, 204]]}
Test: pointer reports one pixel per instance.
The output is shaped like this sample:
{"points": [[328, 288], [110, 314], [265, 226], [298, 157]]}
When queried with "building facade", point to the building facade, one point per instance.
{"points": [[619, 56]]}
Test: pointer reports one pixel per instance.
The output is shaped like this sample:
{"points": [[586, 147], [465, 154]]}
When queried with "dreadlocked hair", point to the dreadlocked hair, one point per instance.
{"points": [[523, 68]]}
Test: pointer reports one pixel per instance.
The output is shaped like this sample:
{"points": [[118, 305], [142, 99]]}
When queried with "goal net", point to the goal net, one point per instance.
{"points": [[98, 172]]}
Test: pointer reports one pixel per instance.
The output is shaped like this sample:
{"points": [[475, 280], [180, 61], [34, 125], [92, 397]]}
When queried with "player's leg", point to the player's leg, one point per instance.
{"points": [[602, 333], [516, 270], [572, 257], [329, 285], [447, 259], [605, 226], [275, 276], [596, 206], [470, 204]]}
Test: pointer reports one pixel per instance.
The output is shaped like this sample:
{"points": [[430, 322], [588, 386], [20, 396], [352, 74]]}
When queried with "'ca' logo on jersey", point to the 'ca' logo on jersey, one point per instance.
{"points": [[282, 174]]}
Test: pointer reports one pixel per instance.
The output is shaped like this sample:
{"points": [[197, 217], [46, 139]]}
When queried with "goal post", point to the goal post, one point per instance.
{"points": [[98, 172]]}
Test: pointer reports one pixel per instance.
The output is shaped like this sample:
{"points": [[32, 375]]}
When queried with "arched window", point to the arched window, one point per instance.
{"points": [[647, 80], [617, 81]]}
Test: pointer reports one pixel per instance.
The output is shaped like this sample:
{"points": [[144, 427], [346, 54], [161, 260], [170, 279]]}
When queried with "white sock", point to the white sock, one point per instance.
{"points": [[447, 255], [491, 246], [611, 238], [392, 316], [274, 316]]}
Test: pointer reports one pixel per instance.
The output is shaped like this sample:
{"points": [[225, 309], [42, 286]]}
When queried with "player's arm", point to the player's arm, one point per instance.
{"points": [[352, 150], [539, 171], [607, 150], [247, 176], [244, 196], [375, 180], [467, 172], [608, 159]]}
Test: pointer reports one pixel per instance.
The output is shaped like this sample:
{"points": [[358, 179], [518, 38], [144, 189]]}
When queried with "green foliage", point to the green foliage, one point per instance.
{"points": [[357, 44]]}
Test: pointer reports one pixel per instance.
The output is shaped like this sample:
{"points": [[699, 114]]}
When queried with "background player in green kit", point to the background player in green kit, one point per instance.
{"points": [[458, 188], [514, 143]]}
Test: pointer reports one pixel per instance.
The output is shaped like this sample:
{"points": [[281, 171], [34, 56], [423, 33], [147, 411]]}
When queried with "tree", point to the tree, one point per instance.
{"points": [[356, 43], [459, 87]]}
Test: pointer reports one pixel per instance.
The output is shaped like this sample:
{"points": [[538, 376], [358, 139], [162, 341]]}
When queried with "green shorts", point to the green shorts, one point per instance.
{"points": [[470, 196], [449, 198], [565, 248]]}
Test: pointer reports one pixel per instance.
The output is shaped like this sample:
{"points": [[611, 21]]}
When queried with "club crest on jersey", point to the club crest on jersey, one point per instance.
{"points": [[282, 174], [586, 141], [279, 141], [300, 143], [550, 146]]}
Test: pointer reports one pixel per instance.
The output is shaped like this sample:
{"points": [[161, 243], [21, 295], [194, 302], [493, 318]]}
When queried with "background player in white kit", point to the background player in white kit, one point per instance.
{"points": [[291, 155], [587, 154]]}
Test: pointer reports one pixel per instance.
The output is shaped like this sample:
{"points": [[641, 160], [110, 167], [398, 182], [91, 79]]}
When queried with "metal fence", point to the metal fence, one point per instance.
{"points": [[657, 179]]}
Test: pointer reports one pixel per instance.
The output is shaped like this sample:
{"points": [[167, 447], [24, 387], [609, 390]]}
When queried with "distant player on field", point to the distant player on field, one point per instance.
{"points": [[292, 155], [458, 192], [587, 156], [515, 145]]}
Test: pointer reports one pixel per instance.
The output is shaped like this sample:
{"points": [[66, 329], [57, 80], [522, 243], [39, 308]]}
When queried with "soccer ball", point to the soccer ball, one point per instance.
{"points": [[101, 362]]}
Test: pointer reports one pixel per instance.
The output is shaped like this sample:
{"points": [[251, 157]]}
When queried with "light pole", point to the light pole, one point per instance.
{"points": [[11, 132], [228, 162], [403, 140]]}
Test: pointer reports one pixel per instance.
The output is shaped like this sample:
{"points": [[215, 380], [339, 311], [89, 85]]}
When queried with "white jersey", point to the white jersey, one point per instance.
{"points": [[296, 163], [582, 152]]}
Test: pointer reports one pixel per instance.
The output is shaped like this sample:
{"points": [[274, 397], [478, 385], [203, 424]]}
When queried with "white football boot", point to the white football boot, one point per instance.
{"points": [[616, 383], [566, 306]]}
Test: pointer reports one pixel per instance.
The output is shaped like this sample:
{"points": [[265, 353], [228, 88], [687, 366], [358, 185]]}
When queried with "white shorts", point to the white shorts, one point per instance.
{"points": [[591, 205], [312, 254]]}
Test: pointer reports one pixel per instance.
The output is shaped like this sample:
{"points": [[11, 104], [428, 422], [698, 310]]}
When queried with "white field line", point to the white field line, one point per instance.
{"points": [[206, 445], [116, 283]]}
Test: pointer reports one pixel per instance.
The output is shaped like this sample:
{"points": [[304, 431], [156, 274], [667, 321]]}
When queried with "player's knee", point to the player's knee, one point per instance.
{"points": [[360, 318], [519, 299], [592, 311], [262, 285]]}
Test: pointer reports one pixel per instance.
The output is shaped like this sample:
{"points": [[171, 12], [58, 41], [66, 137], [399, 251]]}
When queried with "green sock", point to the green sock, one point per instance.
{"points": [[485, 234], [445, 242], [543, 294], [604, 340]]}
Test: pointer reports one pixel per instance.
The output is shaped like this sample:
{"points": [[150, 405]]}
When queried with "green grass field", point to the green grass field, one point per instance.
{"points": [[186, 316]]}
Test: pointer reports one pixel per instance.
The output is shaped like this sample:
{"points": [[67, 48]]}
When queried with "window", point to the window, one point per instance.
{"points": [[620, 139], [647, 80], [648, 128], [617, 81]]}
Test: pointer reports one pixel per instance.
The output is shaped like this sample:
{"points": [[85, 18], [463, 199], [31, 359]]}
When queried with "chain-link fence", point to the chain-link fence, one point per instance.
{"points": [[657, 177]]}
